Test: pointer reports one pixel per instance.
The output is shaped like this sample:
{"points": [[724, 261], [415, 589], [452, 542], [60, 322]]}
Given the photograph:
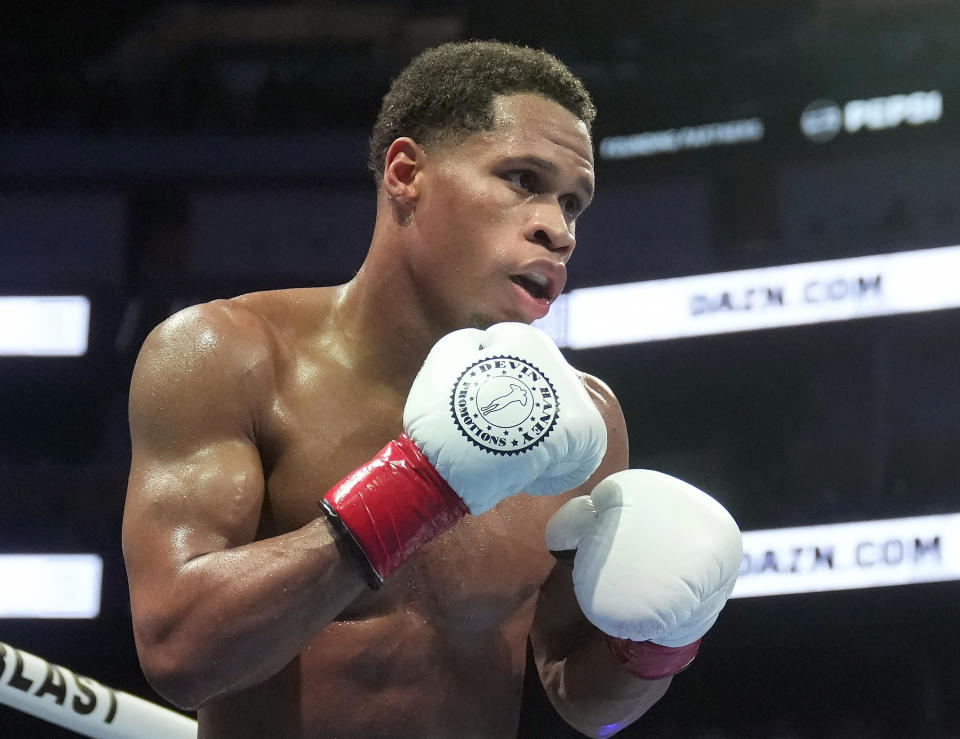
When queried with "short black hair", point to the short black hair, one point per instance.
{"points": [[445, 93]]}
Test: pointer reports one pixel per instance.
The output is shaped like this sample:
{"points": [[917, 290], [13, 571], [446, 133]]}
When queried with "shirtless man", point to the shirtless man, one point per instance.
{"points": [[283, 595]]}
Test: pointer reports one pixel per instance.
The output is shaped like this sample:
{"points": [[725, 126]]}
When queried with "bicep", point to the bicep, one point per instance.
{"points": [[179, 509], [196, 482]]}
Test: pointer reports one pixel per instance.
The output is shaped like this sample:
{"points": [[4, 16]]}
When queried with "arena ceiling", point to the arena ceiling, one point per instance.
{"points": [[236, 66]]}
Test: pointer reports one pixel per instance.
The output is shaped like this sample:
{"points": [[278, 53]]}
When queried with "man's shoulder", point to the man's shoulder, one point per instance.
{"points": [[252, 326], [245, 336], [212, 330], [597, 388], [286, 311], [605, 400]]}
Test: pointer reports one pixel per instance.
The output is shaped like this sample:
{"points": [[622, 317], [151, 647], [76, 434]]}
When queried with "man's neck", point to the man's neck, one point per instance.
{"points": [[382, 321]]}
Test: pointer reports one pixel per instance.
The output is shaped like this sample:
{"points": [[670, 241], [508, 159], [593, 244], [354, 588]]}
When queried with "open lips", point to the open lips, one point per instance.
{"points": [[535, 283]]}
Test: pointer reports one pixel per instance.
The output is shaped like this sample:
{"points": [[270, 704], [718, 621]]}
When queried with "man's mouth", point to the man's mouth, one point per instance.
{"points": [[535, 283]]}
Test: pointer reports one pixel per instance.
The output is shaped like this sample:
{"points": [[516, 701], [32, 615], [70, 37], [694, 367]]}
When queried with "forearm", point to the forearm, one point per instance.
{"points": [[593, 691], [590, 688], [233, 618]]}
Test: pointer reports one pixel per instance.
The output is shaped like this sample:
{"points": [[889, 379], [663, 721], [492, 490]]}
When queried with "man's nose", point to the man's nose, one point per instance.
{"points": [[550, 229]]}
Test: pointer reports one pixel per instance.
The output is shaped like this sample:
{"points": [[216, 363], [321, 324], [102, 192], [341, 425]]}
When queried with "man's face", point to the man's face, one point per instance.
{"points": [[497, 213]]}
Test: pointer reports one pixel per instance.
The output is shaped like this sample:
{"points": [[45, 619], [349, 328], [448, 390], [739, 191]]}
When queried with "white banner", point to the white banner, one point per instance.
{"points": [[50, 585], [846, 556], [44, 326], [770, 297]]}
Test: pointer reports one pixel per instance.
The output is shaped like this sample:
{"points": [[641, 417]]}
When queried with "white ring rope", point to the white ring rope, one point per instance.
{"points": [[31, 684]]}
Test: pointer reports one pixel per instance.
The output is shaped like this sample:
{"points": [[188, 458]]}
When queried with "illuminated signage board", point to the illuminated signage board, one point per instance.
{"points": [[846, 556], [50, 585], [44, 326], [822, 120], [672, 140], [745, 300]]}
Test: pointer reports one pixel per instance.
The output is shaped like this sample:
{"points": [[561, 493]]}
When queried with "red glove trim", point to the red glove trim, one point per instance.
{"points": [[652, 661], [393, 505]]}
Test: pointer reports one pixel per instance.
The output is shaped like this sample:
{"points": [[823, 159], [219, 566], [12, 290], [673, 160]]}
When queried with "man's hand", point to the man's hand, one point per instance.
{"points": [[490, 414], [656, 561], [500, 411]]}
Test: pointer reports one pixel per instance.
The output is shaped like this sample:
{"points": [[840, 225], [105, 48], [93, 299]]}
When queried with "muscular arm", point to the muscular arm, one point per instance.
{"points": [[213, 610], [589, 688]]}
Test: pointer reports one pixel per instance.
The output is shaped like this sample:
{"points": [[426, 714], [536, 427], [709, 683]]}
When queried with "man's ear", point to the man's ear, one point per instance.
{"points": [[403, 165]]}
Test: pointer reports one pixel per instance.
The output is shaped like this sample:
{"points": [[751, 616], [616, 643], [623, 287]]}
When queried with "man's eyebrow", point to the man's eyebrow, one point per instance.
{"points": [[551, 168]]}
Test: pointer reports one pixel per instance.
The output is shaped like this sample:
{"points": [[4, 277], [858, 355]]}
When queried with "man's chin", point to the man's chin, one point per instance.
{"points": [[481, 321], [477, 320]]}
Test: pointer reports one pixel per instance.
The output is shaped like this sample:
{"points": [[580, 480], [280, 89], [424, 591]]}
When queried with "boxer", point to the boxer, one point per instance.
{"points": [[342, 500]]}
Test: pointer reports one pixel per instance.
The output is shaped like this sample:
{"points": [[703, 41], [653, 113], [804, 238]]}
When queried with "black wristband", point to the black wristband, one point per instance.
{"points": [[345, 536]]}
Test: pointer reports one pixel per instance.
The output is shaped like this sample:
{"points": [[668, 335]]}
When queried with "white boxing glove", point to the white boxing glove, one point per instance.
{"points": [[656, 559], [500, 411], [490, 414]]}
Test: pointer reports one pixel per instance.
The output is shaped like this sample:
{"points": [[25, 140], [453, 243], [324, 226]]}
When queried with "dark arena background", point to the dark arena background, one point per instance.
{"points": [[752, 160]]}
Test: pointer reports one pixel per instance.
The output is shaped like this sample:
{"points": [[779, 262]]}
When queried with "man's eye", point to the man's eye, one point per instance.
{"points": [[523, 180], [571, 206]]}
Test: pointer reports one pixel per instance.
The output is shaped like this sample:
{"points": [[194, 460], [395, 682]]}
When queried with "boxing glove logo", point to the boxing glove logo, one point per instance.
{"points": [[504, 405]]}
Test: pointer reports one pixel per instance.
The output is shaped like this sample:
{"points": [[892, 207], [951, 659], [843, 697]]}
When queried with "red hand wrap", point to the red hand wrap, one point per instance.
{"points": [[652, 661], [393, 505]]}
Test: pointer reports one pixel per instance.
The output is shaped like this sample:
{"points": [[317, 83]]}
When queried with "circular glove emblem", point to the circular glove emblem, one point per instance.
{"points": [[504, 405]]}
